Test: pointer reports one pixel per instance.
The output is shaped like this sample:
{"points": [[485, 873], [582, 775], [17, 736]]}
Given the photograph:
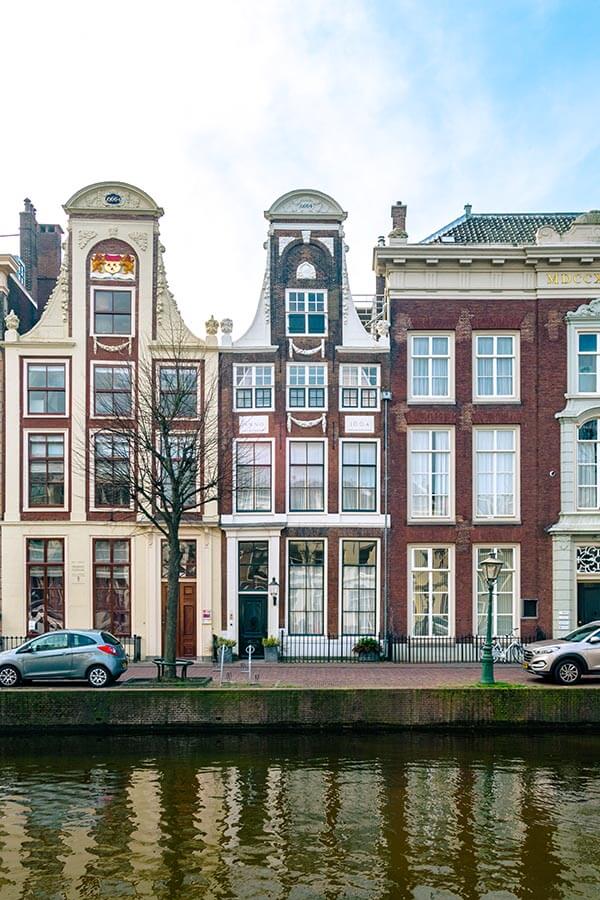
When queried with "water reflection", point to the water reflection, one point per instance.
{"points": [[391, 816]]}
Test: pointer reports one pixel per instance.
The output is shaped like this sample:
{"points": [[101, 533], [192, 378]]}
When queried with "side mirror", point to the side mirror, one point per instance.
{"points": [[594, 639], [26, 650]]}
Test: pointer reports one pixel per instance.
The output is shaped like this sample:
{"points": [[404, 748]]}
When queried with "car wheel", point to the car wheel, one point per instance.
{"points": [[98, 676], [568, 672], [9, 676]]}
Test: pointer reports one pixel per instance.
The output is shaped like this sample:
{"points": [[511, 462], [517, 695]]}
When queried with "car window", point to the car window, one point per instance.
{"points": [[582, 634], [81, 640], [110, 639], [51, 642]]}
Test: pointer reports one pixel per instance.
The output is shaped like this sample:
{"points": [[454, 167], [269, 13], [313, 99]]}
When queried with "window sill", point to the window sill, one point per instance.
{"points": [[498, 521], [433, 520], [428, 401], [496, 401]]}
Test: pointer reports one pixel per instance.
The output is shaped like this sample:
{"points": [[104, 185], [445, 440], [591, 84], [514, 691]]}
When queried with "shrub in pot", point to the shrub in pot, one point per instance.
{"points": [[367, 649], [228, 644], [271, 648]]}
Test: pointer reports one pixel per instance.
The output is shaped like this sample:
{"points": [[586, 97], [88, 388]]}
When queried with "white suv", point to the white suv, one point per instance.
{"points": [[566, 659]]}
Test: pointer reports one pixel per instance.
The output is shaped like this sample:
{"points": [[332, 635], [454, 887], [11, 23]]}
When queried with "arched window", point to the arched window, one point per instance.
{"points": [[587, 465]]}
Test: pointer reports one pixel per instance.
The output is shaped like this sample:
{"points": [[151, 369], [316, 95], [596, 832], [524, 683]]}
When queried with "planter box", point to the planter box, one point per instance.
{"points": [[271, 654], [227, 655], [369, 657]]}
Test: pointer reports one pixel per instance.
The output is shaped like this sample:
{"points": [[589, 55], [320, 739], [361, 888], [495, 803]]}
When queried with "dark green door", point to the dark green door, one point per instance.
{"points": [[253, 623], [588, 601]]}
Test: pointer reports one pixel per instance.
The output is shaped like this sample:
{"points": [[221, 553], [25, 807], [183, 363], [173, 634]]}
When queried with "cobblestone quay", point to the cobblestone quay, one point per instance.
{"points": [[223, 709]]}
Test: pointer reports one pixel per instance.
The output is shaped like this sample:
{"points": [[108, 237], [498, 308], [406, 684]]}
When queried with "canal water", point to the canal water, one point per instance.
{"points": [[300, 816]]}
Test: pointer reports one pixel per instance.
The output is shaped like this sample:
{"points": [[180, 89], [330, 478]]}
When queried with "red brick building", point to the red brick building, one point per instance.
{"points": [[304, 528], [486, 455]]}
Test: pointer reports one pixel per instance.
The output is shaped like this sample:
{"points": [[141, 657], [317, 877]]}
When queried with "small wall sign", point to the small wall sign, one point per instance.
{"points": [[358, 424], [254, 424]]}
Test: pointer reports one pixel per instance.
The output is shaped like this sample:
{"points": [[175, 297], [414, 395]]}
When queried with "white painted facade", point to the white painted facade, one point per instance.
{"points": [[65, 332]]}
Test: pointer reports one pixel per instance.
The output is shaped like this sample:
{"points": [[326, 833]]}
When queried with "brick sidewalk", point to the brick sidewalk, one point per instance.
{"points": [[384, 675]]}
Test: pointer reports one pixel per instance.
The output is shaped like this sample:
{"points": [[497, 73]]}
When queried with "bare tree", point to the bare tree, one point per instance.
{"points": [[159, 454]]}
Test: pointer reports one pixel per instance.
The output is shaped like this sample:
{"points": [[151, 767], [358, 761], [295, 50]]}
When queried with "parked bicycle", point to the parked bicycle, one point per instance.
{"points": [[514, 652]]}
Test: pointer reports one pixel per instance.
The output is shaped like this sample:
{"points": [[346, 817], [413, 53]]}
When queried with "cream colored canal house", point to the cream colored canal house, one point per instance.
{"points": [[74, 551], [576, 534]]}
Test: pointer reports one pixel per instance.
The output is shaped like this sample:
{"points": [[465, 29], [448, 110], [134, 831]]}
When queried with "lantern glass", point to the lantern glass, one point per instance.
{"points": [[491, 567]]}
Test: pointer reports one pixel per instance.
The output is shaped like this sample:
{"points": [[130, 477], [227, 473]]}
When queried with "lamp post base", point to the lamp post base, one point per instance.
{"points": [[487, 668]]}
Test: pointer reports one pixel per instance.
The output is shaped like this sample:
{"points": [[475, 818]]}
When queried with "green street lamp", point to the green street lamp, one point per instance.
{"points": [[491, 567]]}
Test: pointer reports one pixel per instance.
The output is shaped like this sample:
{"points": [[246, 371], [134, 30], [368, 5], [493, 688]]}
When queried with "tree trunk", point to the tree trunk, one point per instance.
{"points": [[170, 649]]}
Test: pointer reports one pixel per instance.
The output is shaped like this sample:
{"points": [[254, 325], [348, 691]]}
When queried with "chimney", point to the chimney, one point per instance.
{"points": [[468, 208], [399, 216], [28, 244]]}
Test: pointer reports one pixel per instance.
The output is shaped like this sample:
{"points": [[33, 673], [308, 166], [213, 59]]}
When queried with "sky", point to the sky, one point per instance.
{"points": [[217, 108]]}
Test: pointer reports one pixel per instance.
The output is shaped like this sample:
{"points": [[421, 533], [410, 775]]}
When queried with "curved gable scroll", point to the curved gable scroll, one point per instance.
{"points": [[306, 203], [114, 197]]}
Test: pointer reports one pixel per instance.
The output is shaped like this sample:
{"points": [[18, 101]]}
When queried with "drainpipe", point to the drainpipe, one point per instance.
{"points": [[386, 396]]}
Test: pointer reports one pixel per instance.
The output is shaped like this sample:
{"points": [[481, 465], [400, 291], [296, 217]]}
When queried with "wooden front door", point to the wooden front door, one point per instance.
{"points": [[186, 622], [253, 623], [588, 602]]}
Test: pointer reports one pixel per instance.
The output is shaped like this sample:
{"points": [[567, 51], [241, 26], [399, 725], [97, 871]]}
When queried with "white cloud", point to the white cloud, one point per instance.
{"points": [[216, 110]]}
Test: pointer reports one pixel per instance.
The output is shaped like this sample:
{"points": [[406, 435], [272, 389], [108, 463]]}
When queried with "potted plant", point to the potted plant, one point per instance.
{"points": [[228, 644], [367, 649], [271, 645]]}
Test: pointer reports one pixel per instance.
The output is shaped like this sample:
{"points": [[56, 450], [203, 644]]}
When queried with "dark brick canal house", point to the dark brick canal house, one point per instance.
{"points": [[495, 349], [304, 531]]}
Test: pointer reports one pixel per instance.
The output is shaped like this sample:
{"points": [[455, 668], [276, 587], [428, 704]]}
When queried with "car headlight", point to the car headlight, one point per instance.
{"points": [[543, 650]]}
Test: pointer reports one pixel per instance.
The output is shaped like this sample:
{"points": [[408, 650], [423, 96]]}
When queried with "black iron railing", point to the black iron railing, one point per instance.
{"points": [[396, 648], [132, 644]]}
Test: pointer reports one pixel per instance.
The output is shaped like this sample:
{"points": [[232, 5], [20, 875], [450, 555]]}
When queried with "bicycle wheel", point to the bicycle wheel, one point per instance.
{"points": [[516, 653]]}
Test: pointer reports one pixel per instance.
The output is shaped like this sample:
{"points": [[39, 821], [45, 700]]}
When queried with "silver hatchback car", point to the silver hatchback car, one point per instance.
{"points": [[566, 659], [95, 656]]}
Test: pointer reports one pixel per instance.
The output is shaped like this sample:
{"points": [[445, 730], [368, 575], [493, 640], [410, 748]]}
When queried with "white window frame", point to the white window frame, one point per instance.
{"points": [[305, 333], [125, 287], [182, 364], [92, 476], [359, 388], [306, 387], [305, 513], [67, 467], [252, 513], [46, 361], [584, 420], [515, 396], [378, 598], [360, 512], [105, 364], [431, 398], [325, 542], [574, 359], [516, 610], [477, 517], [411, 516], [451, 549], [253, 387]]}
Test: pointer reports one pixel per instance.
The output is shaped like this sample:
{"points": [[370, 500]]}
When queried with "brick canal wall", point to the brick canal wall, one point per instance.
{"points": [[185, 709]]}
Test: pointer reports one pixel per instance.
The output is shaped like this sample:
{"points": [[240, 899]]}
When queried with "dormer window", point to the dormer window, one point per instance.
{"points": [[306, 312]]}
